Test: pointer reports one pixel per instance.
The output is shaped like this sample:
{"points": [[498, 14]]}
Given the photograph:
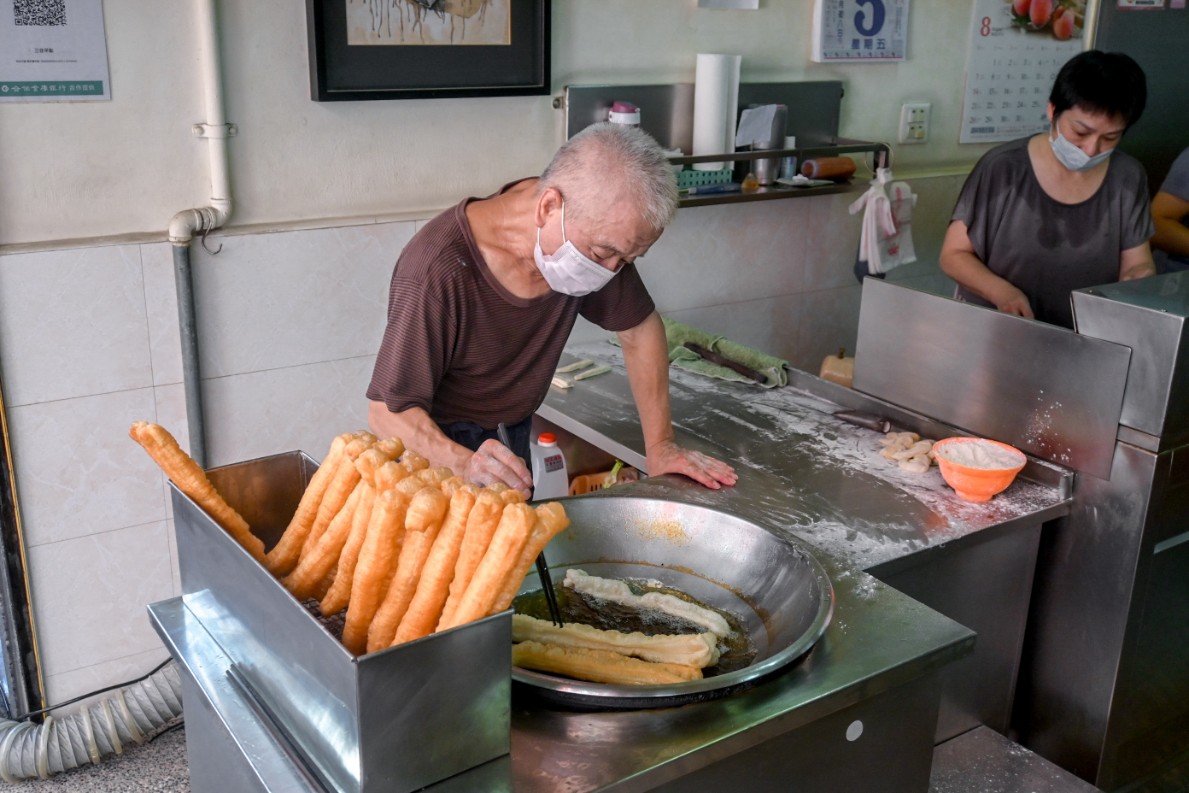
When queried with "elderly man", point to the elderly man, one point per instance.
{"points": [[484, 296]]}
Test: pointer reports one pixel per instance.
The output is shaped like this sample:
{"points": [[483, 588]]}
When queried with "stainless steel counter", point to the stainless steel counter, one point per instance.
{"points": [[811, 477], [803, 472]]}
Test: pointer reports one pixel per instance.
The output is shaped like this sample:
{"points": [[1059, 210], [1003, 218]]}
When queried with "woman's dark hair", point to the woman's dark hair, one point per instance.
{"points": [[1101, 82]]}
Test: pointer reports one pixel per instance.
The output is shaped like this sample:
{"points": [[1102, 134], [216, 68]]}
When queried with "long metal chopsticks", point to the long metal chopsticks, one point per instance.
{"points": [[542, 566]]}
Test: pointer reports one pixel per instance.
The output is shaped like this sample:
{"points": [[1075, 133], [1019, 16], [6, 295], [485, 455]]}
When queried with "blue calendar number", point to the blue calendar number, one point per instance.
{"points": [[877, 15]]}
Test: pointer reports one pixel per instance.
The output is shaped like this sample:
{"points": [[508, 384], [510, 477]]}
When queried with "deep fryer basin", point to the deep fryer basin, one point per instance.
{"points": [[779, 592]]}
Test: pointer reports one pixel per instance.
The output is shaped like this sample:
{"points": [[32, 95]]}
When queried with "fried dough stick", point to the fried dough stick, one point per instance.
{"points": [[339, 595], [282, 558], [342, 484], [317, 561], [479, 600], [550, 520], [599, 666], [191, 480], [481, 525], [376, 565], [434, 584], [423, 521]]}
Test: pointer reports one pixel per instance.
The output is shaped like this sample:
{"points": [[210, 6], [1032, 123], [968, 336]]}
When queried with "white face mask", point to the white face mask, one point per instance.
{"points": [[1072, 157], [567, 270]]}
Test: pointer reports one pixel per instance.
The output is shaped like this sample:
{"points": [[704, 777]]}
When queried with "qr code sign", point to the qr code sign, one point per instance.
{"points": [[41, 13]]}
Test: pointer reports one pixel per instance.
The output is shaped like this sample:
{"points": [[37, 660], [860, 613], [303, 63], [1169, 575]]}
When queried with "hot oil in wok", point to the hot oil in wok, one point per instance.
{"points": [[736, 650]]}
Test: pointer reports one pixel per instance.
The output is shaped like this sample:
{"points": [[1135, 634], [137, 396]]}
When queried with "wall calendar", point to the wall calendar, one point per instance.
{"points": [[859, 30], [1016, 49]]}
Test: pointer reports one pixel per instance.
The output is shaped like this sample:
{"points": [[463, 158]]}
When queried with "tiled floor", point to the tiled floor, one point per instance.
{"points": [[156, 766]]}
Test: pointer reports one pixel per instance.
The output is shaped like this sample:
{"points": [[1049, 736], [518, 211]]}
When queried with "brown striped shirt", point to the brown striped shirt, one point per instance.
{"points": [[463, 348]]}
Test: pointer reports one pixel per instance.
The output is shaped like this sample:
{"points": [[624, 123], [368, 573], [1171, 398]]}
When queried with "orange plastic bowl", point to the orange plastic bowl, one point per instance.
{"points": [[978, 483]]}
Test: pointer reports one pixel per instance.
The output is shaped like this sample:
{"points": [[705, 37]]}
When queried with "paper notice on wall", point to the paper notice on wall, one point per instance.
{"points": [[1011, 62], [53, 51]]}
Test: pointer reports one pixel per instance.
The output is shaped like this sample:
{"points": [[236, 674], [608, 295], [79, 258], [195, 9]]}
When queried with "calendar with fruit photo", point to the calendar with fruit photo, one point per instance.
{"points": [[1016, 48]]}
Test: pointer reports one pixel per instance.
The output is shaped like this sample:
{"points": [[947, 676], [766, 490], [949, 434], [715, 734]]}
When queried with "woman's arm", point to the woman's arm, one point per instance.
{"points": [[1171, 234], [1136, 263], [959, 261]]}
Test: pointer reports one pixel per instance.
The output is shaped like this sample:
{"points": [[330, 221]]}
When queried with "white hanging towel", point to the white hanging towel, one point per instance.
{"points": [[885, 241]]}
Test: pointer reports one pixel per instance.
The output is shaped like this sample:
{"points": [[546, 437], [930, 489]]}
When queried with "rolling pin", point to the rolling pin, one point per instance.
{"points": [[734, 366]]}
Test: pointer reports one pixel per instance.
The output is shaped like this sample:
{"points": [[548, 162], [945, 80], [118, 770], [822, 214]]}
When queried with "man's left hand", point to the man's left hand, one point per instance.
{"points": [[667, 457]]}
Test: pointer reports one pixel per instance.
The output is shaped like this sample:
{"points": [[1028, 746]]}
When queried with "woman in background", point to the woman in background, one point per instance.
{"points": [[1045, 215], [1170, 213]]}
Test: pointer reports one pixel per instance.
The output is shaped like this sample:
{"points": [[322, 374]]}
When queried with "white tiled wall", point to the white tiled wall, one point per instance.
{"points": [[89, 343], [288, 324]]}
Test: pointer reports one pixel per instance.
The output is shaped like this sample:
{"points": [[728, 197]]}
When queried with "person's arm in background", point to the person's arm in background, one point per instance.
{"points": [[959, 262], [492, 462], [1136, 263], [646, 356], [1172, 235]]}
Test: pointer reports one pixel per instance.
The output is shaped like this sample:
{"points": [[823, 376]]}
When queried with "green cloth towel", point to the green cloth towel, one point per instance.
{"points": [[677, 334]]}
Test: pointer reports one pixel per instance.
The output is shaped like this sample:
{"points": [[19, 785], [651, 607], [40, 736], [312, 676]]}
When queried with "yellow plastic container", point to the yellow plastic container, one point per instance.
{"points": [[838, 368]]}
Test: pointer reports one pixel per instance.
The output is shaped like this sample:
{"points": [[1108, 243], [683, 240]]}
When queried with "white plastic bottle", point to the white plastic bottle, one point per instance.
{"points": [[550, 479]]}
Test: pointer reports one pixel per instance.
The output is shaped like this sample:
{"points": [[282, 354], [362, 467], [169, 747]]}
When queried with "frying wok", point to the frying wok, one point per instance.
{"points": [[778, 592]]}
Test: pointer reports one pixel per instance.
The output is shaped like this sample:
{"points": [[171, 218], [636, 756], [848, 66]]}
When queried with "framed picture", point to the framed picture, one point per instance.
{"points": [[427, 49]]}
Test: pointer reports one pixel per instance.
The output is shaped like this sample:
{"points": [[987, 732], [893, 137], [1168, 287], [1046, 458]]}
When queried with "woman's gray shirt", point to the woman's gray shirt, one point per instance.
{"points": [[1042, 246]]}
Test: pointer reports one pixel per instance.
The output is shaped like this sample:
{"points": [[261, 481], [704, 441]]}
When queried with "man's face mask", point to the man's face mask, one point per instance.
{"points": [[567, 270], [1071, 156]]}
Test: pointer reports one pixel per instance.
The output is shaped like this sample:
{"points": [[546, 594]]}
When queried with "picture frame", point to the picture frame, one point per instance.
{"points": [[427, 49]]}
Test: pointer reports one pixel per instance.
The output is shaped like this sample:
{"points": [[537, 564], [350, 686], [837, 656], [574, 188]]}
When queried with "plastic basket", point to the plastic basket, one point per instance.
{"points": [[692, 178]]}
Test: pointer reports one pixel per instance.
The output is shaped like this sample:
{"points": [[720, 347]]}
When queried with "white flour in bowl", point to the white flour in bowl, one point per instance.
{"points": [[980, 454]]}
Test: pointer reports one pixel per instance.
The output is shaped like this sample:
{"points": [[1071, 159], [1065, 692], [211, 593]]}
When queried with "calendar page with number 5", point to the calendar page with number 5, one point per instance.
{"points": [[859, 30], [1016, 49]]}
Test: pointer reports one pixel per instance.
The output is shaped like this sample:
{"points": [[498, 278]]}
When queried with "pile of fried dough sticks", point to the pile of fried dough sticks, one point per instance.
{"points": [[406, 548]]}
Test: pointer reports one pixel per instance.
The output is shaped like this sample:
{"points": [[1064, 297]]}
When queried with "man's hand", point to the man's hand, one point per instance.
{"points": [[494, 462], [666, 457]]}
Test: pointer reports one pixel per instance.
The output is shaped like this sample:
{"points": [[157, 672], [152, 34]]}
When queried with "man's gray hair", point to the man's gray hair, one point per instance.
{"points": [[608, 158]]}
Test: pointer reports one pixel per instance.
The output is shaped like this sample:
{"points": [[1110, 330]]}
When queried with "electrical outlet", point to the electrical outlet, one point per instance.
{"points": [[914, 122]]}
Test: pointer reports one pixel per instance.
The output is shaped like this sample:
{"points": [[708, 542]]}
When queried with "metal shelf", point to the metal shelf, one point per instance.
{"points": [[771, 192], [667, 112]]}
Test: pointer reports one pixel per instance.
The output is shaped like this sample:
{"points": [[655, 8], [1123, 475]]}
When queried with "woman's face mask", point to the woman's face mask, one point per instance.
{"points": [[1074, 158], [567, 270], [1071, 156]]}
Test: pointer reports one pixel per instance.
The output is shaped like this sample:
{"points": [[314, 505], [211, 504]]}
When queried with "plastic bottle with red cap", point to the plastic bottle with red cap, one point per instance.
{"points": [[624, 113], [550, 479]]}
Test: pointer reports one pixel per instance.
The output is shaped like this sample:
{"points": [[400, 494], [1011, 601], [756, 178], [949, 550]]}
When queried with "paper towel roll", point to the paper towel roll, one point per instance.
{"points": [[716, 98]]}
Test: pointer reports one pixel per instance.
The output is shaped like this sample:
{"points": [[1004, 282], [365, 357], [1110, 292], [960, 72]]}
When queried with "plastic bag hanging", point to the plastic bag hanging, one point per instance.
{"points": [[885, 239]]}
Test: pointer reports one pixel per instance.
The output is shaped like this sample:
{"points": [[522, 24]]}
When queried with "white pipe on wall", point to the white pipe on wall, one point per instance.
{"points": [[215, 129], [184, 224]]}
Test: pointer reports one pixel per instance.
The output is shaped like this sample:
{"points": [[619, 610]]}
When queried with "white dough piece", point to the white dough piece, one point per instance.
{"points": [[903, 439], [916, 450], [617, 591], [561, 382], [916, 465]]}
